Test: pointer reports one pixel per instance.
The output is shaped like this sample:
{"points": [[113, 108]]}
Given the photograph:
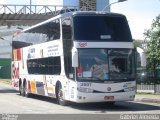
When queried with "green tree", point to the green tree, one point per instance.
{"points": [[152, 40], [138, 43]]}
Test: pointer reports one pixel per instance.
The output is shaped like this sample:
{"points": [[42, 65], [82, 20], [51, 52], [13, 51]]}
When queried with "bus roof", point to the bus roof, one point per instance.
{"points": [[67, 14]]}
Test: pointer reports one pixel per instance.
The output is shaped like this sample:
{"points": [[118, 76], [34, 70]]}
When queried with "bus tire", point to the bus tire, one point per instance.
{"points": [[60, 96], [25, 89], [20, 87]]}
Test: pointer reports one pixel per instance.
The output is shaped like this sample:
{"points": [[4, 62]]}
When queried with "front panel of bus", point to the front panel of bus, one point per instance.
{"points": [[106, 59]]}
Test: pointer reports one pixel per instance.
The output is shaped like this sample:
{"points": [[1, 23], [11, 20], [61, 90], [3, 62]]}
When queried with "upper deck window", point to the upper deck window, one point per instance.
{"points": [[101, 28], [46, 32]]}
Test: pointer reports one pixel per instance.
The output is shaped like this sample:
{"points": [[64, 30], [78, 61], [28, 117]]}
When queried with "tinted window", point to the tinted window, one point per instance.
{"points": [[66, 29], [46, 32], [49, 66], [101, 28], [67, 46]]}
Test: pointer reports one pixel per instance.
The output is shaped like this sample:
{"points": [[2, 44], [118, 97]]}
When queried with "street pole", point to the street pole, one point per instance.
{"points": [[112, 4], [30, 6]]}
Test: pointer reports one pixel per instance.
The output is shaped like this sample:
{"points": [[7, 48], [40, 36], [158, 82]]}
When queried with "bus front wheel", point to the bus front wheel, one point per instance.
{"points": [[60, 96]]}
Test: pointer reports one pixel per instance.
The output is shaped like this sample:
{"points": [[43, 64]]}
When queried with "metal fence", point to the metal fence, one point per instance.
{"points": [[33, 9], [149, 88]]}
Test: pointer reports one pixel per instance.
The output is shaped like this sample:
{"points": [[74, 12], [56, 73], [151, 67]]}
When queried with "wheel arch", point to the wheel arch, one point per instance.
{"points": [[58, 84]]}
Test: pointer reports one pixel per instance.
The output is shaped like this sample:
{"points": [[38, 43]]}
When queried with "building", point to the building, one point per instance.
{"points": [[85, 5], [94, 5], [5, 57]]}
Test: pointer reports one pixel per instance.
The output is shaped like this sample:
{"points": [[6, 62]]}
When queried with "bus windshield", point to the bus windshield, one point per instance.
{"points": [[106, 64], [101, 28]]}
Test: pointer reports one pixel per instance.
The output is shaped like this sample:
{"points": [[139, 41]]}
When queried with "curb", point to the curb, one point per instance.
{"points": [[147, 100], [6, 81]]}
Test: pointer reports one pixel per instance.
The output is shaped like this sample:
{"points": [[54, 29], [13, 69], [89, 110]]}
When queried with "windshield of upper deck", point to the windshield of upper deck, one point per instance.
{"points": [[101, 28]]}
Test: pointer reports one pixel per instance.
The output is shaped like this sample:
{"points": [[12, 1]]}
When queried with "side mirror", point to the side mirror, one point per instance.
{"points": [[74, 57], [142, 56], [143, 60]]}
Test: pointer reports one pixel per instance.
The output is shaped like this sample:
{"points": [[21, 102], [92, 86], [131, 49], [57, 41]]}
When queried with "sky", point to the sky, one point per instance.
{"points": [[139, 13]]}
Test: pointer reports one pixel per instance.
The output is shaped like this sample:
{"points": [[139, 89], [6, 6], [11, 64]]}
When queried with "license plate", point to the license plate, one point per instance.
{"points": [[109, 98]]}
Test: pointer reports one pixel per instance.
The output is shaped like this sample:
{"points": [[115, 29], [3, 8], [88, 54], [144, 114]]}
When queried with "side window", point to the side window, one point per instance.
{"points": [[54, 65], [32, 66], [46, 32], [53, 30], [67, 46], [66, 29], [43, 66], [48, 66], [57, 65]]}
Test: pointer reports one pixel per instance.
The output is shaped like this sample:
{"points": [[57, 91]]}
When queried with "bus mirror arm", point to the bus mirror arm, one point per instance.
{"points": [[142, 56], [143, 60], [74, 57]]}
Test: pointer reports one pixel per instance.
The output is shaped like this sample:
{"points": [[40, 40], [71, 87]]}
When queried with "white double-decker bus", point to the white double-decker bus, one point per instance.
{"points": [[76, 56]]}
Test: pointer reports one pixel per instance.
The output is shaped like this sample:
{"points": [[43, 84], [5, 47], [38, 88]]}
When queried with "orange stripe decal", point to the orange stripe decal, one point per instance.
{"points": [[33, 87], [50, 88]]}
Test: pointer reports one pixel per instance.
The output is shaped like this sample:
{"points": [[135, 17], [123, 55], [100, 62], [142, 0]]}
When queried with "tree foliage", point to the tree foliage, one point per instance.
{"points": [[152, 40], [138, 43]]}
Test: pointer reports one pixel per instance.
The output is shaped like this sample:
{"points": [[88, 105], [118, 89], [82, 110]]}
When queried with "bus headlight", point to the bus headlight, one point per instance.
{"points": [[86, 90], [129, 89]]}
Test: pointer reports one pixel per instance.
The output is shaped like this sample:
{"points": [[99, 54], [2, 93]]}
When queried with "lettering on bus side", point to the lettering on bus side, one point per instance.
{"points": [[53, 48], [85, 84]]}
